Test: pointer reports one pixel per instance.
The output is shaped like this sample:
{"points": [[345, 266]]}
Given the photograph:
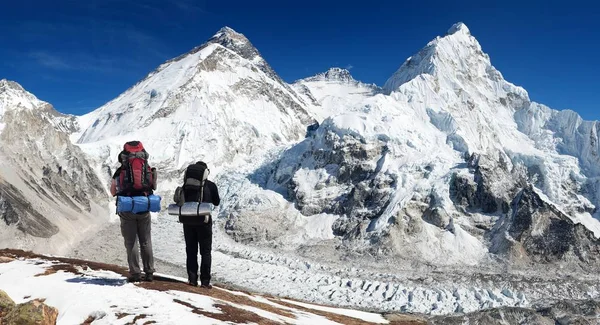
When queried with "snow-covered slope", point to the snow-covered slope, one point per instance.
{"points": [[93, 293], [50, 196], [333, 92]]}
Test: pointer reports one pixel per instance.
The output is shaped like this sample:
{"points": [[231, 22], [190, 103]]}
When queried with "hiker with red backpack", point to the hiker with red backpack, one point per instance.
{"points": [[133, 183]]}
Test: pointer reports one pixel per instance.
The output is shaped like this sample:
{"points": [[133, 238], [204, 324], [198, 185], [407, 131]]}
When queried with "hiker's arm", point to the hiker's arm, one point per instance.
{"points": [[113, 187], [154, 176], [216, 199]]}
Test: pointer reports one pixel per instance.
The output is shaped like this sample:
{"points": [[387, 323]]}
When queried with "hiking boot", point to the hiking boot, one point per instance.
{"points": [[149, 277], [193, 283], [134, 278], [206, 286]]}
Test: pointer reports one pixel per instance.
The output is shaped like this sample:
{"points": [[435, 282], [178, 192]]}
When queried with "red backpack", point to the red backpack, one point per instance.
{"points": [[135, 178]]}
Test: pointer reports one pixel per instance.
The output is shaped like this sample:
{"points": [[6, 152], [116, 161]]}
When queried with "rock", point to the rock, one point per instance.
{"points": [[311, 129], [347, 227], [6, 304], [4, 259], [437, 217], [495, 316], [539, 231], [33, 312], [462, 191], [491, 186]]}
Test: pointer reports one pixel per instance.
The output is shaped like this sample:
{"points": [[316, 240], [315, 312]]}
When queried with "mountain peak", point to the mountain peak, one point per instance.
{"points": [[333, 74], [227, 30], [5, 85], [12, 94], [457, 54], [459, 27], [227, 36], [237, 42]]}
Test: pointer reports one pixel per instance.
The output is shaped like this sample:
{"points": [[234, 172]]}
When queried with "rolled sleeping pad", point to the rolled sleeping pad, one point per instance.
{"points": [[191, 209], [154, 203], [124, 204], [138, 204]]}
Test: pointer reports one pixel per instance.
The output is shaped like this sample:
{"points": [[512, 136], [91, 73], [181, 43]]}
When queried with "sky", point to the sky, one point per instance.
{"points": [[80, 54]]}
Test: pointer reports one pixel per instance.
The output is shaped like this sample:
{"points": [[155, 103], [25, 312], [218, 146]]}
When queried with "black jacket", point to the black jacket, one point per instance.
{"points": [[210, 195], [191, 193]]}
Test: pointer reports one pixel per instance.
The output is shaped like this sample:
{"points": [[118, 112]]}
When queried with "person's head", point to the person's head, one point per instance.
{"points": [[202, 163]]}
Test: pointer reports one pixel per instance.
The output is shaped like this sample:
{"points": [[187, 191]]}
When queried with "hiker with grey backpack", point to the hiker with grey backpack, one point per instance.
{"points": [[193, 204]]}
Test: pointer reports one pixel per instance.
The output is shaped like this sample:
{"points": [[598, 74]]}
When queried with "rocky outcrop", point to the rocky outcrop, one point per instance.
{"points": [[573, 312], [34, 312], [491, 185], [437, 216], [535, 230], [334, 174], [6, 304]]}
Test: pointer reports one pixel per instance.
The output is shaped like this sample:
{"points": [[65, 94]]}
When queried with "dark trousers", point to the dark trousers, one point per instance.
{"points": [[198, 236]]}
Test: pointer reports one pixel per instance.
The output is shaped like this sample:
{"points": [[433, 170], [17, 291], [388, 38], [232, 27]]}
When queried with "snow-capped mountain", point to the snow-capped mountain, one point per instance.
{"points": [[49, 194], [220, 102], [439, 163]]}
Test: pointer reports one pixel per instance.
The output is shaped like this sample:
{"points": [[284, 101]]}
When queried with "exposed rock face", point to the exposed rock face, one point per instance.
{"points": [[437, 217], [34, 312], [538, 231], [491, 186], [343, 174], [15, 209], [573, 313]]}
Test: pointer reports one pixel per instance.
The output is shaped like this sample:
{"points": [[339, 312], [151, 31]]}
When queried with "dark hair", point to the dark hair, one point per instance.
{"points": [[202, 163]]}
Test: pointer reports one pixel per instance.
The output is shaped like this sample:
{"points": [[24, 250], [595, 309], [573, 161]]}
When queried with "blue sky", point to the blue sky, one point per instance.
{"points": [[78, 55]]}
